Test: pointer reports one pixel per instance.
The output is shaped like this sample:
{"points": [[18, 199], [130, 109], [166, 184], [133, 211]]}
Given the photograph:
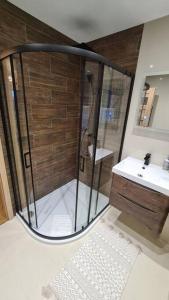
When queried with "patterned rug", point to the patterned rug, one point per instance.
{"points": [[98, 271]]}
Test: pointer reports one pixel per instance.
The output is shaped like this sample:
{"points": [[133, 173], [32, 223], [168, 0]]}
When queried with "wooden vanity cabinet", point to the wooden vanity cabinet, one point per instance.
{"points": [[148, 206]]}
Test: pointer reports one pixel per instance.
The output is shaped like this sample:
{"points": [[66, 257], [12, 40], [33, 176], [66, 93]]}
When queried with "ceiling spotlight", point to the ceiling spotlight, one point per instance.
{"points": [[151, 66]]}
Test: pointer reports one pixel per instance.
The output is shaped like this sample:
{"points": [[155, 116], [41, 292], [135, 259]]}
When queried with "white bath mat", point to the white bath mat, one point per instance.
{"points": [[98, 271]]}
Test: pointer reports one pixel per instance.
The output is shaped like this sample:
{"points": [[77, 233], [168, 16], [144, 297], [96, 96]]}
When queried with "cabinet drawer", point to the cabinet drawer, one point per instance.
{"points": [[141, 195], [153, 220]]}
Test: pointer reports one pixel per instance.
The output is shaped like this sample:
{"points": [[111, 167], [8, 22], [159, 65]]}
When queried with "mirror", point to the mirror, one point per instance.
{"points": [[154, 105]]}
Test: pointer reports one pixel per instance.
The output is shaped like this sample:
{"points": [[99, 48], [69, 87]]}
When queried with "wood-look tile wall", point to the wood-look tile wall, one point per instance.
{"points": [[52, 92], [122, 48], [52, 97]]}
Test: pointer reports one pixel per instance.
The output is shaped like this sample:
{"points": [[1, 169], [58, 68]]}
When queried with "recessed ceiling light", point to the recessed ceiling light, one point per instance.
{"points": [[151, 66], [161, 78]]}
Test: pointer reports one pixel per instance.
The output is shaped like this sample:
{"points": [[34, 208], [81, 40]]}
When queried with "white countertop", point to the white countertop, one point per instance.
{"points": [[101, 153], [153, 177]]}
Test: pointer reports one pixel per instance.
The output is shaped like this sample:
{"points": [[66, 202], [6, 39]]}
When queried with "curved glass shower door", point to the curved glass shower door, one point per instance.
{"points": [[63, 111], [52, 89], [92, 77], [105, 99], [112, 113]]}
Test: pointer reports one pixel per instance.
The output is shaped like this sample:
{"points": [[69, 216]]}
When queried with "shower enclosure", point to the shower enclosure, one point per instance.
{"points": [[64, 111]]}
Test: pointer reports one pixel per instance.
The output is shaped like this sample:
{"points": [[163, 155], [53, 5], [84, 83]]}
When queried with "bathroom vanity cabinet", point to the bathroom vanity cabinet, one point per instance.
{"points": [[147, 205]]}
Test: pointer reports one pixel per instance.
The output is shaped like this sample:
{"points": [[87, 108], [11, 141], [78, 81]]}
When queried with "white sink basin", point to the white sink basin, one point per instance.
{"points": [[153, 176]]}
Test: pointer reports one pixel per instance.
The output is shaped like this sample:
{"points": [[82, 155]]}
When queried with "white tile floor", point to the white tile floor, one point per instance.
{"points": [[27, 266], [56, 211]]}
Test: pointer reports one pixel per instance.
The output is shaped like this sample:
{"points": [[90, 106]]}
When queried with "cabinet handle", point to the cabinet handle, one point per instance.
{"points": [[137, 204], [141, 186]]}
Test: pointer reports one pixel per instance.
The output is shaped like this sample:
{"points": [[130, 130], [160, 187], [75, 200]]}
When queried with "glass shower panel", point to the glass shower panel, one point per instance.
{"points": [[11, 115], [6, 93], [23, 134], [52, 82], [103, 156], [115, 93], [88, 135]]}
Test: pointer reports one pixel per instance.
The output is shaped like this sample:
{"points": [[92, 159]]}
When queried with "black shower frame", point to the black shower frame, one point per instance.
{"points": [[85, 54]]}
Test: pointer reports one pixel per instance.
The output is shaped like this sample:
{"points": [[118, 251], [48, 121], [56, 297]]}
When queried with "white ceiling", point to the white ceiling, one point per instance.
{"points": [[86, 20]]}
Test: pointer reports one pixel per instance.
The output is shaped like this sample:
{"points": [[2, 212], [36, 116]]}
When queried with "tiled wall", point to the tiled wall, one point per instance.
{"points": [[52, 96], [122, 48], [52, 92]]}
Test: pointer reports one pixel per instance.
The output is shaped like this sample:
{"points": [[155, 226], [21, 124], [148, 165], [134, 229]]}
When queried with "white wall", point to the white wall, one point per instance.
{"points": [[154, 51]]}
